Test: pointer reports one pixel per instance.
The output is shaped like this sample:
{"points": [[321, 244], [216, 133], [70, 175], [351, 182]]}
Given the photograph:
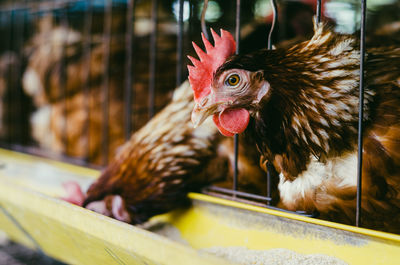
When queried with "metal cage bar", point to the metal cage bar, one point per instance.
{"points": [[17, 41], [129, 75], [87, 41], [361, 112], [105, 84], [10, 74], [274, 20], [236, 137], [63, 77], [273, 25], [11, 69], [203, 19], [153, 58], [318, 11], [179, 42]]}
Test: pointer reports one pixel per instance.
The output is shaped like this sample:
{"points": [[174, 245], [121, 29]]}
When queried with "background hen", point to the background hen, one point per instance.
{"points": [[300, 105]]}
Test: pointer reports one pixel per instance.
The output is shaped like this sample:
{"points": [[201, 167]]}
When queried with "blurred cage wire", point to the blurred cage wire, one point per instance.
{"points": [[77, 78]]}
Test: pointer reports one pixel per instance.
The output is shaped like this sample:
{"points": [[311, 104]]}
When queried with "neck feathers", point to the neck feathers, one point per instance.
{"points": [[313, 107]]}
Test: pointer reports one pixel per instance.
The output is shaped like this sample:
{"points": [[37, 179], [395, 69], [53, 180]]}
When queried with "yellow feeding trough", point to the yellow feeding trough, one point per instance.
{"points": [[211, 231]]}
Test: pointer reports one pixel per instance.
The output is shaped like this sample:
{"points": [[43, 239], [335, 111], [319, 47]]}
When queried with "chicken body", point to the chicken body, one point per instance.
{"points": [[302, 105], [70, 82], [69, 99], [153, 172]]}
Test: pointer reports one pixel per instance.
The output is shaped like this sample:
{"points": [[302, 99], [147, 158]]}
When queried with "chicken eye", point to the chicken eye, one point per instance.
{"points": [[232, 80]]}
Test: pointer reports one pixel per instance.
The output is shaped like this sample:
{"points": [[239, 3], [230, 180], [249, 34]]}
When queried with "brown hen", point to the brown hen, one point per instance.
{"points": [[153, 172], [300, 105]]}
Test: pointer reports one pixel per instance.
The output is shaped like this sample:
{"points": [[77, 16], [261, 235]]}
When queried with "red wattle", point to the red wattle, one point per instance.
{"points": [[234, 120], [220, 128]]}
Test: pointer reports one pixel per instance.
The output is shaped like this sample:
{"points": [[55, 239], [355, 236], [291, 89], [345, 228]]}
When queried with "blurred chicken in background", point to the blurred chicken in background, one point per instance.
{"points": [[66, 88], [66, 80], [67, 84]]}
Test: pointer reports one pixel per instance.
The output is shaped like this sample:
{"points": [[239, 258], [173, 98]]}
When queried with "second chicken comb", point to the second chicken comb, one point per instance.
{"points": [[202, 71]]}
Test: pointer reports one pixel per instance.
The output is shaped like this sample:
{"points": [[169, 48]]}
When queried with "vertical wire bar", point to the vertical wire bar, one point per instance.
{"points": [[11, 74], [17, 73], [179, 45], [128, 68], [318, 11], [275, 18], [269, 177], [188, 36], [87, 43], [203, 19], [153, 58], [236, 137], [105, 86], [23, 109], [192, 9], [63, 77], [237, 26], [361, 112]]}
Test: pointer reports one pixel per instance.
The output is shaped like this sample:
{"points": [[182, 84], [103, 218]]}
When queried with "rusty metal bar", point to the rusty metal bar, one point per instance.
{"points": [[105, 85], [128, 68], [361, 112], [153, 58]]}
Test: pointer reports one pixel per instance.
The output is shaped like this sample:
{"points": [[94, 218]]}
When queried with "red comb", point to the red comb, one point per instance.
{"points": [[201, 73]]}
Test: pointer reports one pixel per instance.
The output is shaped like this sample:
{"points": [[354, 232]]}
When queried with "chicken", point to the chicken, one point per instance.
{"points": [[152, 178], [66, 80], [300, 106], [69, 119], [153, 172]]}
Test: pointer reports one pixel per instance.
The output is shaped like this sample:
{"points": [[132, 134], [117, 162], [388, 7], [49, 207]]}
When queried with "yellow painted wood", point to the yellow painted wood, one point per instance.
{"points": [[216, 224], [78, 236], [29, 187], [6, 155], [359, 230], [71, 233]]}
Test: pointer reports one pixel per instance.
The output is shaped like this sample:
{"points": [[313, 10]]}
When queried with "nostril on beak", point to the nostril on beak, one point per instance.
{"points": [[203, 101]]}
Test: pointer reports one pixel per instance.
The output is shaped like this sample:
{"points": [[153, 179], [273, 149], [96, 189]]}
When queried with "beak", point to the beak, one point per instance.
{"points": [[205, 108]]}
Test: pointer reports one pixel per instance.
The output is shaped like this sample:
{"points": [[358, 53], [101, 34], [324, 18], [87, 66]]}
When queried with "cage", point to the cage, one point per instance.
{"points": [[78, 78]]}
